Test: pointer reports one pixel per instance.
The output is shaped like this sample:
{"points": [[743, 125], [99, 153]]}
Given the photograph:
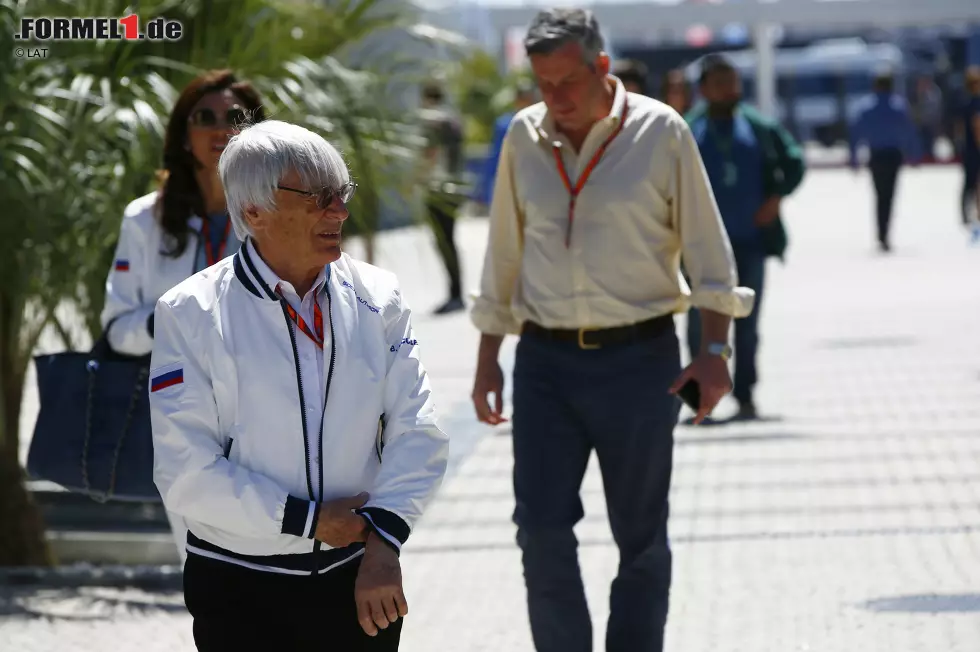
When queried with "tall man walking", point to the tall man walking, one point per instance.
{"points": [[886, 127], [599, 194], [752, 164]]}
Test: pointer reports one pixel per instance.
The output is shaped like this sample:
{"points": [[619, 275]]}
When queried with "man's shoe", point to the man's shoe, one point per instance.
{"points": [[884, 247], [746, 412], [453, 305]]}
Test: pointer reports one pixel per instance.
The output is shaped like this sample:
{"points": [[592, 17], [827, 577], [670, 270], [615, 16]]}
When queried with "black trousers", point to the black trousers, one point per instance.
{"points": [[442, 211], [884, 165], [236, 609], [971, 184]]}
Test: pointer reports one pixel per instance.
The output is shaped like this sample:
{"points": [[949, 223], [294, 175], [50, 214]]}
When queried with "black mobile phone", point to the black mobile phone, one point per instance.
{"points": [[690, 393]]}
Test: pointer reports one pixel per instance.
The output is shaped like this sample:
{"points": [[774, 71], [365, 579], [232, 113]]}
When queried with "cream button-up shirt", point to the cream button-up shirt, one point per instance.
{"points": [[647, 204]]}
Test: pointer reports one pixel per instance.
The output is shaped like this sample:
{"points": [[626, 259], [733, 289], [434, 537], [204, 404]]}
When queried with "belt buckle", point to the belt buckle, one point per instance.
{"points": [[581, 339]]}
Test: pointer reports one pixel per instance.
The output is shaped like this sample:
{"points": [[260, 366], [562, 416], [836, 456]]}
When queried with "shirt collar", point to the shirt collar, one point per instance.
{"points": [[272, 280], [546, 124]]}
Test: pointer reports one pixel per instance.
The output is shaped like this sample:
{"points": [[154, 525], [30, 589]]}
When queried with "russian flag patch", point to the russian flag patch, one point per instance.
{"points": [[122, 265], [167, 379]]}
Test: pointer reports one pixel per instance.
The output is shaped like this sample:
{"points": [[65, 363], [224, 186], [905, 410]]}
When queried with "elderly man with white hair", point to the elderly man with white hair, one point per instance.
{"points": [[293, 423]]}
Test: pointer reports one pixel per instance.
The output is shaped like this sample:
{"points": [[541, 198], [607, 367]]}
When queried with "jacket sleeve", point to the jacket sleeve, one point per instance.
{"points": [[791, 160], [195, 478], [416, 452], [126, 313]]}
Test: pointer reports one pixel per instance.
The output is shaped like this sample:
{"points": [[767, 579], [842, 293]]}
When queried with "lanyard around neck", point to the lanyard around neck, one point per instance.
{"points": [[576, 188], [316, 333], [212, 255]]}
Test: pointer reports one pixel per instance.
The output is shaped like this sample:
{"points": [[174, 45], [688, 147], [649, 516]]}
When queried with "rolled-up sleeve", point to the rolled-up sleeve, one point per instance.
{"points": [[492, 312], [706, 252]]}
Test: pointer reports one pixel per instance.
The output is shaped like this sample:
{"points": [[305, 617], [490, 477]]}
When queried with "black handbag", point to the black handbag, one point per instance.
{"points": [[93, 433]]}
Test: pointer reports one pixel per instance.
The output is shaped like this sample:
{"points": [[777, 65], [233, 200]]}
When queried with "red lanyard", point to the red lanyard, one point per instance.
{"points": [[317, 333], [574, 191], [208, 250]]}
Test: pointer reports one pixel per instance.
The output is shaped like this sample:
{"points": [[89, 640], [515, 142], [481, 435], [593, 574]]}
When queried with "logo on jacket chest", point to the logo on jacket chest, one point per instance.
{"points": [[361, 301]]}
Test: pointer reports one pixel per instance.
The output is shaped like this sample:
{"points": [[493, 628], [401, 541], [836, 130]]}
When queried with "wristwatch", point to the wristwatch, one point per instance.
{"points": [[721, 349]]}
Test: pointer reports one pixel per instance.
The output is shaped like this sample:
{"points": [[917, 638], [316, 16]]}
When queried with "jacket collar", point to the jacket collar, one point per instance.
{"points": [[256, 276]]}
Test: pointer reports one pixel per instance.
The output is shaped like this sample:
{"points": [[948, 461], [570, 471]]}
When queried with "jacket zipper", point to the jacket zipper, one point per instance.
{"points": [[323, 415], [302, 399]]}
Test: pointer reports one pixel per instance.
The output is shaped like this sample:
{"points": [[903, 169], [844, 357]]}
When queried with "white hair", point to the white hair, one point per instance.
{"points": [[256, 159]]}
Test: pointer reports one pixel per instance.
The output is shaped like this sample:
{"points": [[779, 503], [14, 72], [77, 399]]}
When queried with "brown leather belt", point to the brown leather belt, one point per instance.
{"points": [[595, 338]]}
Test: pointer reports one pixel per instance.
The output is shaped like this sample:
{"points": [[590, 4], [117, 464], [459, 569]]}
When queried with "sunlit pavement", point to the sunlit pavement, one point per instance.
{"points": [[848, 519]]}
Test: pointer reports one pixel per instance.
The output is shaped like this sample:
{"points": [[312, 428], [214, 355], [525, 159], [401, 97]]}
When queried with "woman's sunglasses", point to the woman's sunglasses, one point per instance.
{"points": [[325, 196], [206, 118]]}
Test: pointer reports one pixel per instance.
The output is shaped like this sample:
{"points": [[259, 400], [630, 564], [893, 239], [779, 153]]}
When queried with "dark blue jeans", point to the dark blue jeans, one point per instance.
{"points": [[751, 264], [567, 403]]}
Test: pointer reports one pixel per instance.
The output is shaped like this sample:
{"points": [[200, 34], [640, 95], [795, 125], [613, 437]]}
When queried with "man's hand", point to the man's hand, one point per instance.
{"points": [[768, 212], [338, 526], [378, 588], [489, 380], [711, 373]]}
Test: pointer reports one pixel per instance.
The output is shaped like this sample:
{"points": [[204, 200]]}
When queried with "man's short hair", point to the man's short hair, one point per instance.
{"points": [[713, 63], [630, 70], [257, 158], [433, 91], [554, 28], [884, 82]]}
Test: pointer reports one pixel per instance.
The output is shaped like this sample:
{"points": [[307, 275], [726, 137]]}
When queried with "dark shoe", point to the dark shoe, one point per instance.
{"points": [[746, 412], [884, 247], [453, 305]]}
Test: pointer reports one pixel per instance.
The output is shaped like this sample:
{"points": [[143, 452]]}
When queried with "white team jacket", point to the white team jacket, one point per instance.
{"points": [[141, 273], [231, 451]]}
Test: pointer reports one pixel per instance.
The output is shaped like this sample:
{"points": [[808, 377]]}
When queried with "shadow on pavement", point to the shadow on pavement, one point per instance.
{"points": [[693, 439], [87, 603], [928, 604]]}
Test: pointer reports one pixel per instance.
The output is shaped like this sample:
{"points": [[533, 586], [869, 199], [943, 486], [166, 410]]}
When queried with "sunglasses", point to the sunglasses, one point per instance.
{"points": [[208, 119], [325, 196]]}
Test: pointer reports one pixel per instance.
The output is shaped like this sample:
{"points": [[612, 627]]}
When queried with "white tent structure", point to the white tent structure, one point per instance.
{"points": [[634, 21]]}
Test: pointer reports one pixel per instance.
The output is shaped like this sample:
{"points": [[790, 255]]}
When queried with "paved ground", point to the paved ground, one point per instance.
{"points": [[850, 520]]}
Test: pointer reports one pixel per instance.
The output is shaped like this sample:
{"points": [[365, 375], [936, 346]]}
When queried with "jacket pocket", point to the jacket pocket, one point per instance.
{"points": [[379, 443]]}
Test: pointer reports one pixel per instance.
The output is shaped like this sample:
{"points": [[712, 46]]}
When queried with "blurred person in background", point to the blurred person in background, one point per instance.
{"points": [[524, 96], [927, 112], [969, 127], [182, 228], [884, 124], [443, 164], [676, 91], [752, 163], [600, 194], [633, 74]]}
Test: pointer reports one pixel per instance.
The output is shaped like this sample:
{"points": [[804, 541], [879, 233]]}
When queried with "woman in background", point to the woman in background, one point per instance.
{"points": [[182, 228], [676, 91]]}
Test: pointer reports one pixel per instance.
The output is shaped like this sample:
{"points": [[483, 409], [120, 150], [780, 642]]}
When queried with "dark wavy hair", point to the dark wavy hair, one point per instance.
{"points": [[179, 197]]}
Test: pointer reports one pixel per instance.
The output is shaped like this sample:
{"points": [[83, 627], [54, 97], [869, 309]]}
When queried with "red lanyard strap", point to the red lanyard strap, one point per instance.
{"points": [[316, 334], [574, 190], [213, 256]]}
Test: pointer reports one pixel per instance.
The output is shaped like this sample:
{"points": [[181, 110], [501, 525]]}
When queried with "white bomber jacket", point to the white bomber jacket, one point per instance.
{"points": [[232, 454], [141, 273]]}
